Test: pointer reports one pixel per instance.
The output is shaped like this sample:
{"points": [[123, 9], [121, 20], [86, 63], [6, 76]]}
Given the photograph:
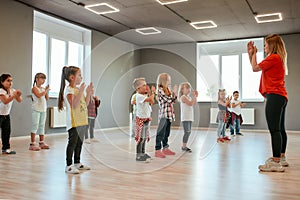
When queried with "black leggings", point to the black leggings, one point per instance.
{"points": [[275, 115]]}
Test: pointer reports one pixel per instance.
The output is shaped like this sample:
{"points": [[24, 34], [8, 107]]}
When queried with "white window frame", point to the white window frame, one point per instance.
{"points": [[67, 32], [219, 71]]}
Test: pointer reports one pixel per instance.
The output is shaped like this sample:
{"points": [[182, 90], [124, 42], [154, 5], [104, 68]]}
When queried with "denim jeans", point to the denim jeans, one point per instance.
{"points": [[221, 129], [91, 128], [236, 124], [163, 133], [187, 126]]}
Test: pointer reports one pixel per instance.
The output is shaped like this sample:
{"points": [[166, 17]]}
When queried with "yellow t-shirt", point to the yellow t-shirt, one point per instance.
{"points": [[78, 116]]}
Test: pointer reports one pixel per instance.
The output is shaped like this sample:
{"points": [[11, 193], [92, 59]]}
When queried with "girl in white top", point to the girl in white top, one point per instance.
{"points": [[187, 111], [39, 107], [7, 95]]}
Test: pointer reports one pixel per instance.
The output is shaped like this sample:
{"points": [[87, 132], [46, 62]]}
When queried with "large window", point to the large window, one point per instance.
{"points": [[57, 44], [226, 65]]}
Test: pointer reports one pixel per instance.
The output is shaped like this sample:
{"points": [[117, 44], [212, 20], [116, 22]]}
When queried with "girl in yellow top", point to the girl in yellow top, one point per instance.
{"points": [[72, 96]]}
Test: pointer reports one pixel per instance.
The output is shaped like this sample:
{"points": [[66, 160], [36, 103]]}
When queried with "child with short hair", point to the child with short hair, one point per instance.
{"points": [[39, 108], [92, 114], [7, 96], [223, 103], [166, 99], [144, 100], [236, 116], [187, 111], [72, 96]]}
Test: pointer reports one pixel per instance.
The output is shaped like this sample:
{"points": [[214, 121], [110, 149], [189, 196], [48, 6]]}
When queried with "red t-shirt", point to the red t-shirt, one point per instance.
{"points": [[272, 76]]}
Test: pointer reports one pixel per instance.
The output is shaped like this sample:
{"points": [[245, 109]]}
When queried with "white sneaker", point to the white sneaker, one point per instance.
{"points": [[81, 166], [88, 141], [94, 140], [283, 161], [71, 170], [271, 166]]}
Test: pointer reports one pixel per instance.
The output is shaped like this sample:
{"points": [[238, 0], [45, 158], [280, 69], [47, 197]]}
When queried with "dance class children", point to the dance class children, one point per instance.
{"points": [[7, 96], [187, 112], [72, 96], [166, 99], [144, 100], [92, 114], [223, 104], [133, 103], [39, 107], [236, 116]]}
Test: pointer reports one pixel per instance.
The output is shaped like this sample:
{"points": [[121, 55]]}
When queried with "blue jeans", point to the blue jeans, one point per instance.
{"points": [[187, 126], [221, 128], [236, 124], [163, 133]]}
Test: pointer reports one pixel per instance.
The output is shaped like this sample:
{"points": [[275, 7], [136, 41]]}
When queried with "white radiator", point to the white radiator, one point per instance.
{"points": [[57, 118], [248, 115]]}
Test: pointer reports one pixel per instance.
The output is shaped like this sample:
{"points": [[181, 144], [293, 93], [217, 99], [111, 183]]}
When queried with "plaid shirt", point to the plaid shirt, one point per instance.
{"points": [[92, 107], [165, 102]]}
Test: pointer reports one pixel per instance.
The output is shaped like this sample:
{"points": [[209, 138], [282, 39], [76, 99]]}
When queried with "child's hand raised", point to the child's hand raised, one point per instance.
{"points": [[175, 89], [17, 93], [195, 93], [90, 89], [153, 89]]}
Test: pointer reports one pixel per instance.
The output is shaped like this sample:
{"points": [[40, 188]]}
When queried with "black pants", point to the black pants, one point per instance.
{"points": [[163, 133], [140, 147], [275, 115], [74, 146], [5, 131]]}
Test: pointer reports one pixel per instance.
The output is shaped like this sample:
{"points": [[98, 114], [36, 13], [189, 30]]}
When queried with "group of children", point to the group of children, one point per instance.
{"points": [[229, 115], [142, 101], [81, 112]]}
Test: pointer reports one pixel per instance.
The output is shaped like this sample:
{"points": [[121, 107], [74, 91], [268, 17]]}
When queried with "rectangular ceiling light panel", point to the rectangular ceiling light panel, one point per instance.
{"points": [[203, 24], [273, 17], [165, 2], [101, 8], [148, 31]]}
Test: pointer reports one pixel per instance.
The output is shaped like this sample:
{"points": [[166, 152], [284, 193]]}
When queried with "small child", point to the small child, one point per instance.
{"points": [[39, 108], [133, 103], [72, 96], [92, 114], [223, 103], [7, 95], [144, 100], [187, 111], [166, 99], [236, 116]]}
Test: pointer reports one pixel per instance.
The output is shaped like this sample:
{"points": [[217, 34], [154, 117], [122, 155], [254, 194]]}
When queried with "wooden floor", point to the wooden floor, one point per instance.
{"points": [[213, 171]]}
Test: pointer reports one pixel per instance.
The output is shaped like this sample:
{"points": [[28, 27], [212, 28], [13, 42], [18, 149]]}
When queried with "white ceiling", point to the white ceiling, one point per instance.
{"points": [[233, 17]]}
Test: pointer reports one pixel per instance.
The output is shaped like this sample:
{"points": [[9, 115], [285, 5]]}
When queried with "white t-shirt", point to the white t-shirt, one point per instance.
{"points": [[237, 109], [39, 104], [143, 109], [5, 108], [187, 112]]}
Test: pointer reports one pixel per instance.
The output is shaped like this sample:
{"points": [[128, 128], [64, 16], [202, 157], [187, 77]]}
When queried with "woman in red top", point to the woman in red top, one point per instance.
{"points": [[272, 87]]}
